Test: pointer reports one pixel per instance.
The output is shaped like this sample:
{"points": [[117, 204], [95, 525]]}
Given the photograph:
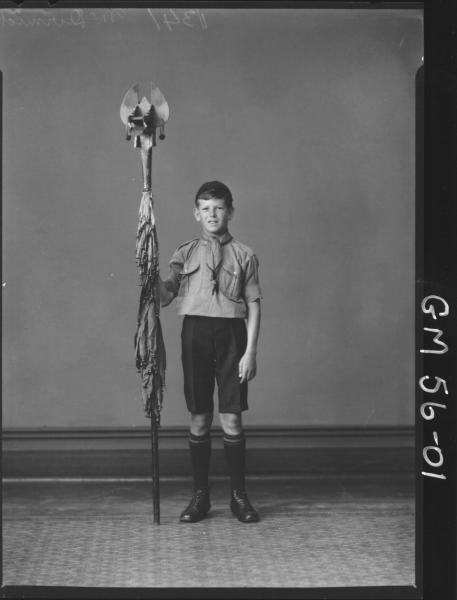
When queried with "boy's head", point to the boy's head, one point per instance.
{"points": [[217, 190], [213, 207]]}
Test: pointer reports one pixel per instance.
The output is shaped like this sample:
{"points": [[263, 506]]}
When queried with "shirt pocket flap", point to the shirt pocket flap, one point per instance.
{"points": [[230, 281], [190, 266]]}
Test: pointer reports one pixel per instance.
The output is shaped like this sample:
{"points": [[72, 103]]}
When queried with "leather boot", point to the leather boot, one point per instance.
{"points": [[197, 508], [242, 509]]}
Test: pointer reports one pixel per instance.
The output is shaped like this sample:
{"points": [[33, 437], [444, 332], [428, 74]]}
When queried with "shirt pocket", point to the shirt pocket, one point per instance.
{"points": [[230, 281], [188, 276]]}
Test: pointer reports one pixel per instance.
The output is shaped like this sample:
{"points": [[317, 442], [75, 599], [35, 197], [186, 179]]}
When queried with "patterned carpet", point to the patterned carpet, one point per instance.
{"points": [[313, 533]]}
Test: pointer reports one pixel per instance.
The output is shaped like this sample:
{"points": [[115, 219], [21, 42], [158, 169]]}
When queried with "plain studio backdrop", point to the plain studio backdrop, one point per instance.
{"points": [[307, 115]]}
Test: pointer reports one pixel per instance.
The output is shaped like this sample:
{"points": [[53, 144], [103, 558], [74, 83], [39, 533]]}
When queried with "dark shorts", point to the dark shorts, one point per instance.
{"points": [[211, 350]]}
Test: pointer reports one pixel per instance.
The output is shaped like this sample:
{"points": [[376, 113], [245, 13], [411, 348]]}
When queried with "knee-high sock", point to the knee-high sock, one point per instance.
{"points": [[200, 452], [235, 453]]}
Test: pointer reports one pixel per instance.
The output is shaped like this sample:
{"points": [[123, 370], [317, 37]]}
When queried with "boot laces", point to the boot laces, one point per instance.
{"points": [[242, 499]]}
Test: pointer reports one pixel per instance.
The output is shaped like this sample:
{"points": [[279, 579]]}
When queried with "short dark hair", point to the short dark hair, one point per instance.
{"points": [[214, 189]]}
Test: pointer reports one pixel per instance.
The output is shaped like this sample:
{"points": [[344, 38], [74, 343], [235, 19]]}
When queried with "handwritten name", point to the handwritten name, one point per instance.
{"points": [[164, 20], [18, 17], [433, 454]]}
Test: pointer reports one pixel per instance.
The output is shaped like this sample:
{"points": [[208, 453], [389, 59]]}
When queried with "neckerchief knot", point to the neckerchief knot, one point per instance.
{"points": [[214, 261]]}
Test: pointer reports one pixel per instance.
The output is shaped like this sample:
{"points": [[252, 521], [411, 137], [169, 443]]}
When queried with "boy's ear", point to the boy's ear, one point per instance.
{"points": [[196, 214], [231, 211]]}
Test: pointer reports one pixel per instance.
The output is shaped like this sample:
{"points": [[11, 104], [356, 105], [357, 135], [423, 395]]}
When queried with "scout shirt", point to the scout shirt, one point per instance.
{"points": [[214, 277]]}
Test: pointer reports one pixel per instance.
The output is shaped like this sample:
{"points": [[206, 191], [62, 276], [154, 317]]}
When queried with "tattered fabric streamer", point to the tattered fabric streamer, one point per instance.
{"points": [[149, 344]]}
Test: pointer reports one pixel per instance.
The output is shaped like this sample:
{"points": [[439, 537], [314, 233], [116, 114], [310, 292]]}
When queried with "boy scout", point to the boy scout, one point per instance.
{"points": [[215, 280]]}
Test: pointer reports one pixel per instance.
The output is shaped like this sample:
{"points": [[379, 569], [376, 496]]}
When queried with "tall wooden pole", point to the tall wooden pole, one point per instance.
{"points": [[155, 469], [141, 120]]}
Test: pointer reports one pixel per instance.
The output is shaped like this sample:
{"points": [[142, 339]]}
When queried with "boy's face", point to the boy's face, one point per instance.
{"points": [[213, 215]]}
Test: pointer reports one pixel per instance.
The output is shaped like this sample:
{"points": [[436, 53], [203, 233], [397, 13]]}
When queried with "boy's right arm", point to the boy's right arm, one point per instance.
{"points": [[170, 286], [166, 295]]}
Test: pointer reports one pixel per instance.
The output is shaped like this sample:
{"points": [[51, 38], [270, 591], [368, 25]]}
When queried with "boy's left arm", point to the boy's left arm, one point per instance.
{"points": [[248, 364]]}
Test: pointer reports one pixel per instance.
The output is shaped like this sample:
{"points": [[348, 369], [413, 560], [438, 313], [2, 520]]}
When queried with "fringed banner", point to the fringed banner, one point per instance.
{"points": [[149, 345]]}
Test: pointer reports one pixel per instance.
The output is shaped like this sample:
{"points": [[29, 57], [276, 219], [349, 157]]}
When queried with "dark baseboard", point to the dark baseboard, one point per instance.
{"points": [[126, 452]]}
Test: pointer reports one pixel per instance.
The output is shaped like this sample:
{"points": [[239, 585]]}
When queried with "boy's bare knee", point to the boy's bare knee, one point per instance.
{"points": [[231, 423], [200, 423]]}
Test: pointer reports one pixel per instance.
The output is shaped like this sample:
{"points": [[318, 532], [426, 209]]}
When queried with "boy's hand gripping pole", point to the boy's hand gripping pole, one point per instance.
{"points": [[141, 120]]}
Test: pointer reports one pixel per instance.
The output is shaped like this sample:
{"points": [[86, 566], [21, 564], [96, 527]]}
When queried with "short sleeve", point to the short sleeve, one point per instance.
{"points": [[173, 281], [252, 289]]}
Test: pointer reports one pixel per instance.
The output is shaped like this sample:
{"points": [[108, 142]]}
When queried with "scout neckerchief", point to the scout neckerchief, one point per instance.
{"points": [[214, 257]]}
